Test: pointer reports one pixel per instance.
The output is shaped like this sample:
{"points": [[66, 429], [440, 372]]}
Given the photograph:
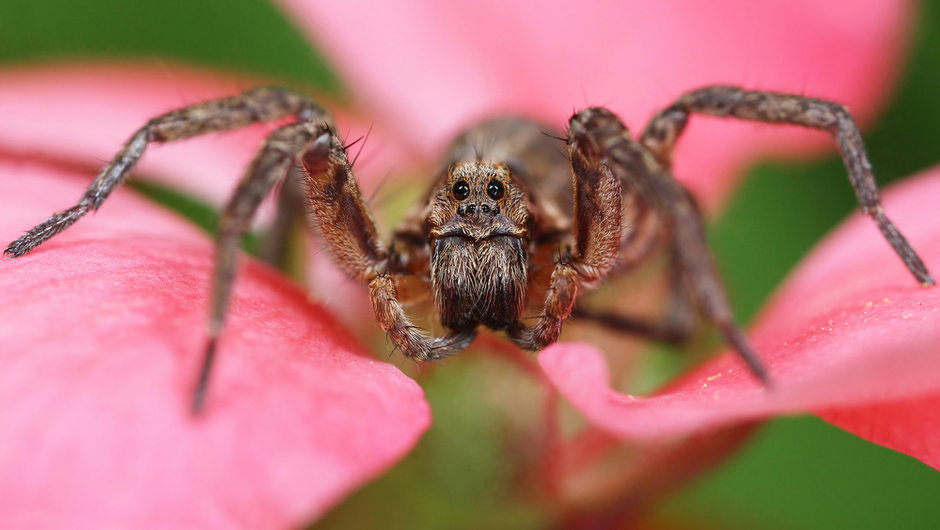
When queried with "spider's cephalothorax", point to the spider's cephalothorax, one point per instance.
{"points": [[512, 226]]}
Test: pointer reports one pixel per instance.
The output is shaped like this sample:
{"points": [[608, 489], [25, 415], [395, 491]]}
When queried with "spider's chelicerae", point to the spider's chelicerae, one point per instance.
{"points": [[510, 222]]}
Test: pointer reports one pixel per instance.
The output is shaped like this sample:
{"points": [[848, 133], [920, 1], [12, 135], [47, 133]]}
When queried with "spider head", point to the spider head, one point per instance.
{"points": [[477, 226], [478, 200]]}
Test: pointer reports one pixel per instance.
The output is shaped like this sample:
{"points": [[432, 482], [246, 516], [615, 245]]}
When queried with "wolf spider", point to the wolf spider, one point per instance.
{"points": [[509, 220]]}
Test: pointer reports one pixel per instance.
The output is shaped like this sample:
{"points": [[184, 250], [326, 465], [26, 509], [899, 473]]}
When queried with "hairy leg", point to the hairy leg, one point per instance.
{"points": [[413, 341], [270, 166], [691, 255], [667, 126], [290, 214], [597, 223], [340, 211], [644, 233], [601, 150], [676, 327], [260, 104]]}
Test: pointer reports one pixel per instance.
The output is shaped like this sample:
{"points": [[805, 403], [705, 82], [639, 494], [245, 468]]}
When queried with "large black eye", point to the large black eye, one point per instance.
{"points": [[495, 190], [461, 190]]}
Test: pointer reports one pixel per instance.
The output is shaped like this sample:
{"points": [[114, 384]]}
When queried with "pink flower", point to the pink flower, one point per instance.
{"points": [[101, 327]]}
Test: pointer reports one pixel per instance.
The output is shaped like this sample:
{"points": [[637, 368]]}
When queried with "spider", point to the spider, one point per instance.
{"points": [[510, 223]]}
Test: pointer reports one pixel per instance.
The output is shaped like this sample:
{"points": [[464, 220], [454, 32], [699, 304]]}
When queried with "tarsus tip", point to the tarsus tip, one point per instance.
{"points": [[202, 383], [198, 403]]}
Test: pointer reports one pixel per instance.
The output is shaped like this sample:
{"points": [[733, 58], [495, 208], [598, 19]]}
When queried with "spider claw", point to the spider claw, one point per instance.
{"points": [[202, 383], [739, 341], [11, 251]]}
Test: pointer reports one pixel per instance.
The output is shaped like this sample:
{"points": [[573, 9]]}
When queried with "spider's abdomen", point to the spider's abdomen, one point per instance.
{"points": [[479, 282]]}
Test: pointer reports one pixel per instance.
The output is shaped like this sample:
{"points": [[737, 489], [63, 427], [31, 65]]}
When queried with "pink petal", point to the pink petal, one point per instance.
{"points": [[908, 425], [100, 337], [850, 335], [429, 68], [83, 112]]}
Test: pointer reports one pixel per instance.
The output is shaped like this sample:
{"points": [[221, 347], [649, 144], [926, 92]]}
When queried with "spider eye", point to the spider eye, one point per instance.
{"points": [[461, 190], [495, 190]]}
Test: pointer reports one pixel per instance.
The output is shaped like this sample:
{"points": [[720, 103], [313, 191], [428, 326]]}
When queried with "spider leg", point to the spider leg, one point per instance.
{"points": [[677, 326], [607, 160], [270, 166], [278, 153], [260, 104], [596, 228], [667, 331], [664, 130], [410, 338], [340, 211], [290, 211], [643, 234], [652, 181]]}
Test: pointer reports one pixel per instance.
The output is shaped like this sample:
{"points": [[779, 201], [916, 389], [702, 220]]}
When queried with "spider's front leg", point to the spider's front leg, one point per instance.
{"points": [[667, 126], [605, 159], [596, 228], [260, 104], [278, 153], [348, 228]]}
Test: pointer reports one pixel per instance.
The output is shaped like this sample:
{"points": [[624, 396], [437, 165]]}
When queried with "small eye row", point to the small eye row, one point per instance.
{"points": [[494, 189]]}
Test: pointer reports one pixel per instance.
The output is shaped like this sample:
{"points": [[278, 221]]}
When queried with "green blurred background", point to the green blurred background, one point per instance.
{"points": [[797, 473]]}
